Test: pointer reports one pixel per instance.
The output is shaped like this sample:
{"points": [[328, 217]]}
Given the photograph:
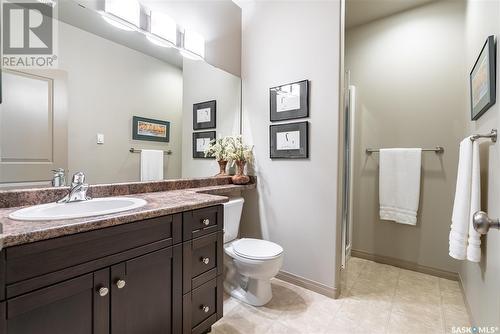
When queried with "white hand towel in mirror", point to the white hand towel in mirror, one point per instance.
{"points": [[151, 165], [464, 241], [399, 184]]}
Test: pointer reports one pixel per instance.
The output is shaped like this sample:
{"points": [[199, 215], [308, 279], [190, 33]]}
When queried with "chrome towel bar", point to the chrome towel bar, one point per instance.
{"points": [[492, 135], [437, 149], [133, 150]]}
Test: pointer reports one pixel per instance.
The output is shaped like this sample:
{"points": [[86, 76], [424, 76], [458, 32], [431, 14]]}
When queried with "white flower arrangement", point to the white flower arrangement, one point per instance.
{"points": [[229, 148], [237, 150], [217, 149]]}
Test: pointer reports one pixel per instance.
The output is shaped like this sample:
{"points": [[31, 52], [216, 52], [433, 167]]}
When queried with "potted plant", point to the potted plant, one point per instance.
{"points": [[217, 149], [239, 153]]}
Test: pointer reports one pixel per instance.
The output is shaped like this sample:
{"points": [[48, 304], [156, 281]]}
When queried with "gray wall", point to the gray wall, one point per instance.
{"points": [[295, 201], [409, 73], [480, 280], [107, 85], [203, 82]]}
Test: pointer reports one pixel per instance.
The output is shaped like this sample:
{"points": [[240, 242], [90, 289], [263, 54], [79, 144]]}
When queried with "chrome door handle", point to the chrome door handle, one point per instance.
{"points": [[103, 291], [482, 223], [120, 284]]}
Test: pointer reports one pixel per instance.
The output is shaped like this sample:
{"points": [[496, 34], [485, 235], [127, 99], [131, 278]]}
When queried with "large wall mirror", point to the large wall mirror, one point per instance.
{"points": [[79, 115]]}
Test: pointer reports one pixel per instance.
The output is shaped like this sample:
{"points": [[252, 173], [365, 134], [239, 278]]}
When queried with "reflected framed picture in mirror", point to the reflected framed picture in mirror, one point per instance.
{"points": [[289, 141], [204, 115], [289, 101], [201, 140], [150, 129], [483, 80]]}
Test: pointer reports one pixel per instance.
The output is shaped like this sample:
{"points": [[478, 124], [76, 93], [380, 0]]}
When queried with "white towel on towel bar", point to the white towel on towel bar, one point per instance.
{"points": [[399, 184], [465, 242], [151, 165]]}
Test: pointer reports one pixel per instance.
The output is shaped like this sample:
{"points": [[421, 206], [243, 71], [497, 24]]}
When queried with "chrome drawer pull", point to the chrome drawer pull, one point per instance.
{"points": [[120, 284], [206, 221], [205, 309], [205, 260], [103, 292]]}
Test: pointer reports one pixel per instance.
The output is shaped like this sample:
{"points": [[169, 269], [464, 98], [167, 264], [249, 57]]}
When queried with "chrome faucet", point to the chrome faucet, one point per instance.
{"points": [[59, 178], [78, 191]]}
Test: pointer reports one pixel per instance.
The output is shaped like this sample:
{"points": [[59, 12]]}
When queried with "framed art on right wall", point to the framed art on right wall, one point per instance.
{"points": [[289, 141], [483, 80], [289, 101]]}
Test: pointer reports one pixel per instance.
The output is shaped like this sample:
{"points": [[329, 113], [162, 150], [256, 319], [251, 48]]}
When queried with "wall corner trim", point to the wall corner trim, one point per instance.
{"points": [[467, 305]]}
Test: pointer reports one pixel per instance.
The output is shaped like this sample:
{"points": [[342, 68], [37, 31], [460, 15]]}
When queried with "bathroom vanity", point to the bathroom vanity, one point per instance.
{"points": [[119, 274]]}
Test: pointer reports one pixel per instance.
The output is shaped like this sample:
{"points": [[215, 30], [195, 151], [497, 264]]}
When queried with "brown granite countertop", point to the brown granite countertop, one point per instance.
{"points": [[159, 203]]}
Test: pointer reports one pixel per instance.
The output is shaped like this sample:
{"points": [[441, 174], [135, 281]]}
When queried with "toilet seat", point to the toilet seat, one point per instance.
{"points": [[256, 249]]}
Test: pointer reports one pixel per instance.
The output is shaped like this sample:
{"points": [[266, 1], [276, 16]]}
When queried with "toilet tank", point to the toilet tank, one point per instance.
{"points": [[232, 217]]}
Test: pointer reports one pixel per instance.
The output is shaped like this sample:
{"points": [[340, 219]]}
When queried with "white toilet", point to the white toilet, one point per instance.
{"points": [[250, 263]]}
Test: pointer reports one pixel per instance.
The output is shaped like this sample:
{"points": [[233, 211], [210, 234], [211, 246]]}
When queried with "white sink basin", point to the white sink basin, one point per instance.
{"points": [[93, 207]]}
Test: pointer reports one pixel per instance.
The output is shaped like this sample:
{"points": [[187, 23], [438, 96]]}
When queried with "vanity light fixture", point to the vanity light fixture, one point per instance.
{"points": [[158, 41], [51, 3], [163, 30], [122, 14], [189, 55], [194, 44]]}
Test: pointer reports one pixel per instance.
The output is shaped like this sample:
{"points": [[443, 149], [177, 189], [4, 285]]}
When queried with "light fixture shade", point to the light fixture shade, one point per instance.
{"points": [[164, 27], [127, 10], [194, 43]]}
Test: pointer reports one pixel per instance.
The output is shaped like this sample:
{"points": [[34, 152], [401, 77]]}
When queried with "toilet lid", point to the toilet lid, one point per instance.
{"points": [[257, 249]]}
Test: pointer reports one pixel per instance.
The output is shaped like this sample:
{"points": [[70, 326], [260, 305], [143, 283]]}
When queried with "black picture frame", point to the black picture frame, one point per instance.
{"points": [[210, 135], [202, 125], [275, 152], [286, 114], [482, 80], [138, 134]]}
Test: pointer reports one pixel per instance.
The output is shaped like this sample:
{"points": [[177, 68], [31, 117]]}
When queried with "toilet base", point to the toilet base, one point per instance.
{"points": [[255, 292]]}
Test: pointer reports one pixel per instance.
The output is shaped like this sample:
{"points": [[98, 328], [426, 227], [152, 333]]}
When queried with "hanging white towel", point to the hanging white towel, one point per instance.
{"points": [[151, 165], [465, 242], [399, 184]]}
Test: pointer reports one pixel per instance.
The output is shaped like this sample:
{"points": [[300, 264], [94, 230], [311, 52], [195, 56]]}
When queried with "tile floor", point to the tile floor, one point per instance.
{"points": [[377, 299]]}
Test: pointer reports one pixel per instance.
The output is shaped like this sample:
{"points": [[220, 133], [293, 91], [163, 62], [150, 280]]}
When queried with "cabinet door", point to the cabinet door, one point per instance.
{"points": [[75, 306], [146, 293]]}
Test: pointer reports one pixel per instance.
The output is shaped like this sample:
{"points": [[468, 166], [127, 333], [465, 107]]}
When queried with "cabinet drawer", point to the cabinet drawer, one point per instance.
{"points": [[202, 221], [203, 307], [203, 260], [43, 257]]}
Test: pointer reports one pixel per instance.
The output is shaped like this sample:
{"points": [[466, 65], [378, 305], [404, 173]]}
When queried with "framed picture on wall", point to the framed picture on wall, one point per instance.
{"points": [[289, 141], [204, 115], [201, 140], [483, 80], [150, 129], [289, 101]]}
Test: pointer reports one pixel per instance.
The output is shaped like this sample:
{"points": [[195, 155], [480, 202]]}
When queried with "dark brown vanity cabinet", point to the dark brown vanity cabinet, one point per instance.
{"points": [[127, 279]]}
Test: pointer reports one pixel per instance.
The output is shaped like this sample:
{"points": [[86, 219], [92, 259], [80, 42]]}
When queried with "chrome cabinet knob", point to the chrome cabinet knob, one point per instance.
{"points": [[120, 284], [205, 308], [482, 223], [103, 291], [205, 260], [206, 221]]}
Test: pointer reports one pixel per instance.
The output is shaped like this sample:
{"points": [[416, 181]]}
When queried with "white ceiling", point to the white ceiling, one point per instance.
{"points": [[363, 11]]}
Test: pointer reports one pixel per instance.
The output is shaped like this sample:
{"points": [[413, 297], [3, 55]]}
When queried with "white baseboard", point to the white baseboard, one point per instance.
{"points": [[308, 284]]}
